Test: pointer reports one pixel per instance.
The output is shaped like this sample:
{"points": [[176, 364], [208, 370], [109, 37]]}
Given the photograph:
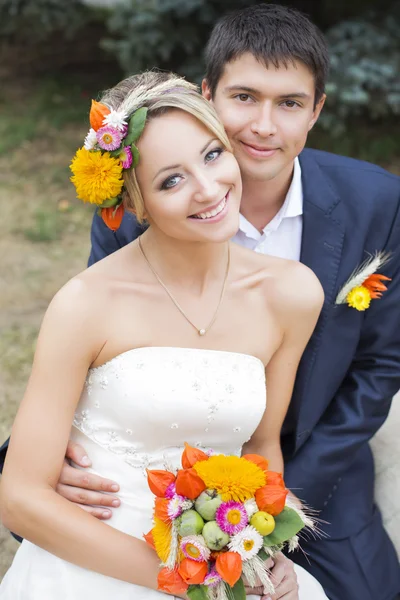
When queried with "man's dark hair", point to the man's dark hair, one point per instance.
{"points": [[273, 34]]}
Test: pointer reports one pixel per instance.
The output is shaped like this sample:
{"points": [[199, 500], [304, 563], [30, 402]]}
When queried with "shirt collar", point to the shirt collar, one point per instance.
{"points": [[292, 206], [294, 197]]}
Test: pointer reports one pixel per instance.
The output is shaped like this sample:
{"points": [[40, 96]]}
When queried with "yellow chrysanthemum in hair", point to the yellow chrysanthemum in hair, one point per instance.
{"points": [[359, 298], [96, 176], [162, 539], [233, 477]]}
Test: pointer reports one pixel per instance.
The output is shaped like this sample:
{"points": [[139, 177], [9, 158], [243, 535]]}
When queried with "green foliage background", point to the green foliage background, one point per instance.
{"points": [[363, 36]]}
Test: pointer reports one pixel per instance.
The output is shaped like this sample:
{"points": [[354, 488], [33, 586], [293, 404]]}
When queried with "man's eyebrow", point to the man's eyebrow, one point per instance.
{"points": [[250, 90], [243, 88], [295, 95], [177, 166]]}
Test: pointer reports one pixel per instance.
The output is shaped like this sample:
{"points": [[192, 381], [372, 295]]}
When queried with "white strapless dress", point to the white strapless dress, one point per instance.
{"points": [[136, 412]]}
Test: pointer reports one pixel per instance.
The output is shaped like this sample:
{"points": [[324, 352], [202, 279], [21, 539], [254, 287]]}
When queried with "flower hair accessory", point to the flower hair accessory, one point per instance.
{"points": [[365, 284], [108, 150]]}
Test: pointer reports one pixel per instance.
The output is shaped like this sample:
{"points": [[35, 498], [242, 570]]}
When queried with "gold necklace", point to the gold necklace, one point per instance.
{"points": [[203, 330]]}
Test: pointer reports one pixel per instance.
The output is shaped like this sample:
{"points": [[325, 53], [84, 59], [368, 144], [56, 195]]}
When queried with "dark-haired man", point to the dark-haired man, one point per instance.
{"points": [[266, 72]]}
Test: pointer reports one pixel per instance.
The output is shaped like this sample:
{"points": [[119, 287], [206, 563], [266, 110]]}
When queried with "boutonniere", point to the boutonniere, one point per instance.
{"points": [[365, 284]]}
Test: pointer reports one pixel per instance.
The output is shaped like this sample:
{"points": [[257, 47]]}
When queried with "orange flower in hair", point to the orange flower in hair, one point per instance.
{"points": [[112, 216], [98, 112]]}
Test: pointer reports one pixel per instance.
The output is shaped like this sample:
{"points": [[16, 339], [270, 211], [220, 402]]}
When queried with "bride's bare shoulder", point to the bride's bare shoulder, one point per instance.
{"points": [[106, 276], [287, 284]]}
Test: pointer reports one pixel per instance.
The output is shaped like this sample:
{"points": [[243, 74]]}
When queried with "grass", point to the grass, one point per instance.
{"points": [[46, 227], [52, 104], [44, 230], [17, 346]]}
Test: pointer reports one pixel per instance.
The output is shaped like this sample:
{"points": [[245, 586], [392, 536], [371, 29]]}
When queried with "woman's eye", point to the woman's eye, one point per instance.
{"points": [[213, 154], [170, 182]]}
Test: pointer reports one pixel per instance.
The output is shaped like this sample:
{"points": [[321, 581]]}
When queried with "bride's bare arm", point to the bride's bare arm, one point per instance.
{"points": [[296, 302], [69, 341]]}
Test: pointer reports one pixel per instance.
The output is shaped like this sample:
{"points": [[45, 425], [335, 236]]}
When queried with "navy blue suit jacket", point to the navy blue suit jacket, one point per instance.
{"points": [[350, 369]]}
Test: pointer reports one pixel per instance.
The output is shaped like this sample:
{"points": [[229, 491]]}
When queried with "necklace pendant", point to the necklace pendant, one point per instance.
{"points": [[202, 331]]}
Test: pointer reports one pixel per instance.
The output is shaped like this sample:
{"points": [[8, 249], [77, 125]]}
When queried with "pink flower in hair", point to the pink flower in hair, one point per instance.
{"points": [[108, 138], [126, 157]]}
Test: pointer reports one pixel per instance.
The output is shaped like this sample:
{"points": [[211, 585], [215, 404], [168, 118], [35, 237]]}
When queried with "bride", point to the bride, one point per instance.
{"points": [[169, 340]]}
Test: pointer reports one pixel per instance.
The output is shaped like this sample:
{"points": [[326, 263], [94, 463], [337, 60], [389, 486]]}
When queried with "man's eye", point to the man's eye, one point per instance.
{"points": [[170, 182], [291, 103], [213, 154], [242, 97]]}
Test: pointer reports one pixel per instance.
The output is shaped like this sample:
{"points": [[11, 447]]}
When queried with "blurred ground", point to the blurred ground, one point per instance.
{"points": [[44, 230]]}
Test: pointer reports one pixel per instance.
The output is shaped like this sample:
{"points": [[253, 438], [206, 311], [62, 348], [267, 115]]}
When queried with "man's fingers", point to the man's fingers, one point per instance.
{"points": [[278, 573], [291, 595], [288, 590], [100, 513], [269, 563], [87, 481], [254, 591], [77, 454], [86, 497], [283, 568]]}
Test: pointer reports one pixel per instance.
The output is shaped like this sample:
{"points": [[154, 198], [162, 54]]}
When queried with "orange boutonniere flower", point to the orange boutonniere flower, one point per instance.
{"points": [[375, 286], [365, 284]]}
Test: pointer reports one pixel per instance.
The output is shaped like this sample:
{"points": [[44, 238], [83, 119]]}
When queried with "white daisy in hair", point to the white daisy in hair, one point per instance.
{"points": [[116, 119], [90, 140]]}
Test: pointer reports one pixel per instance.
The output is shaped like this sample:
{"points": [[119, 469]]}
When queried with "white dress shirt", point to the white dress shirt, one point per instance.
{"points": [[282, 236]]}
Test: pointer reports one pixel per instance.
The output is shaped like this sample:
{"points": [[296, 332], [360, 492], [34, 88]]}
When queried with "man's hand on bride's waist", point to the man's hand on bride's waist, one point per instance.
{"points": [[83, 488]]}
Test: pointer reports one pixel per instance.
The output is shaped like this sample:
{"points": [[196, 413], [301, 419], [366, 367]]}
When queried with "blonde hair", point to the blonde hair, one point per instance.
{"points": [[159, 92]]}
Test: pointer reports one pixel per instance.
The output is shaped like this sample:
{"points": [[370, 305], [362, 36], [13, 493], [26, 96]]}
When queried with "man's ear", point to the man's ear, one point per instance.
{"points": [[205, 90], [317, 112]]}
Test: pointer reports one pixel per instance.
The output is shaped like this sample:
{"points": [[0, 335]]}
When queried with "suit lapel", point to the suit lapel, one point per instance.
{"points": [[321, 250], [323, 235]]}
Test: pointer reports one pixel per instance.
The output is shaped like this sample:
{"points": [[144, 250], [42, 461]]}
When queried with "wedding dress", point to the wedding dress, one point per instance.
{"points": [[135, 412]]}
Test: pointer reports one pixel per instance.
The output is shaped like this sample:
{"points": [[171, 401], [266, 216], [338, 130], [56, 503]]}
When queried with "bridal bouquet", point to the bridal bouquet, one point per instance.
{"points": [[217, 519]]}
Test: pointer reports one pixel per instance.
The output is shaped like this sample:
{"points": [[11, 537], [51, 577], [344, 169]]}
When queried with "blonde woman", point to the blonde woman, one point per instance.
{"points": [[170, 339]]}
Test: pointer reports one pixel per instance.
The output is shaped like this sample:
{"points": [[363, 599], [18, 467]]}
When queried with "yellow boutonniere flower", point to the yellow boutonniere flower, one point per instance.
{"points": [[359, 298]]}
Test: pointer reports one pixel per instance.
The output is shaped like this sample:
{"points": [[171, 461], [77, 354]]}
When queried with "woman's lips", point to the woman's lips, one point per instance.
{"points": [[220, 209]]}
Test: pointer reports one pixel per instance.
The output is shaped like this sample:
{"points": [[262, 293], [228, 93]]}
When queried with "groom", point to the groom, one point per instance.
{"points": [[265, 75]]}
